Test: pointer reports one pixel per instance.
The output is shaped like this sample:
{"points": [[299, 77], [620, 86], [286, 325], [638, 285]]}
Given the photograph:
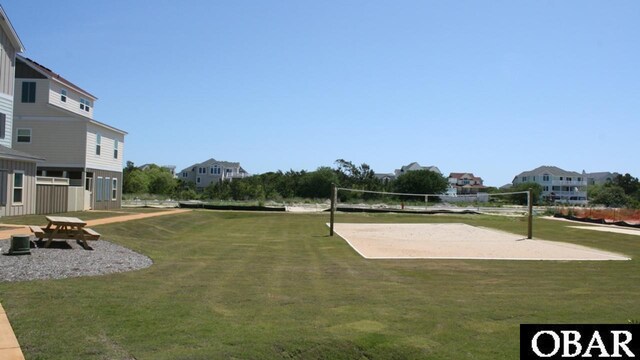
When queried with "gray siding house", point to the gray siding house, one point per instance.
{"points": [[600, 178], [17, 168], [558, 185], [54, 120], [415, 166], [212, 170]]}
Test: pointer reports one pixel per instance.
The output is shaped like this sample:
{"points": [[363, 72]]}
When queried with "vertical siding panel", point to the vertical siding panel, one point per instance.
{"points": [[51, 199]]}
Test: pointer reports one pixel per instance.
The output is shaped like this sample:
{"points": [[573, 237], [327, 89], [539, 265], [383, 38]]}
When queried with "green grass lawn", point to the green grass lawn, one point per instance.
{"points": [[275, 286]]}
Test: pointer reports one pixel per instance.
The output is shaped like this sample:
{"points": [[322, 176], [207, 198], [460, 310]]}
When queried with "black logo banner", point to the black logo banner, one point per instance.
{"points": [[579, 341]]}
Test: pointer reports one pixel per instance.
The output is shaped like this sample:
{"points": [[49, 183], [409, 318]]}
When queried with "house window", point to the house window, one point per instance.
{"points": [[99, 189], [115, 149], [98, 143], [18, 179], [211, 170], [580, 179], [114, 189], [28, 91], [63, 95], [85, 104], [185, 174], [198, 180], [545, 177], [23, 136], [3, 125], [106, 188], [524, 178], [4, 178], [569, 179], [216, 170]]}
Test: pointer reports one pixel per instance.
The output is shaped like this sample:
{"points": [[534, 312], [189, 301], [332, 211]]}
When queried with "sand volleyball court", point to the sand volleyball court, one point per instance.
{"points": [[457, 241]]}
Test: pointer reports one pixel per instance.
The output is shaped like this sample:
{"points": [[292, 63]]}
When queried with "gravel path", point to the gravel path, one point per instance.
{"points": [[68, 259]]}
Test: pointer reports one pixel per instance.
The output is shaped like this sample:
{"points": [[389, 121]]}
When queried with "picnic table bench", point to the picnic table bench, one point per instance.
{"points": [[65, 228]]}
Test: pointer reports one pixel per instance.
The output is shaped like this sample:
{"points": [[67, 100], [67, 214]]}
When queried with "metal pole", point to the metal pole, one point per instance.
{"points": [[530, 225], [333, 208]]}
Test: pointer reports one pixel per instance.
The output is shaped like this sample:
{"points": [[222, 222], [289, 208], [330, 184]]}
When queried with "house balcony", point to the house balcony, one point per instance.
{"points": [[567, 183]]}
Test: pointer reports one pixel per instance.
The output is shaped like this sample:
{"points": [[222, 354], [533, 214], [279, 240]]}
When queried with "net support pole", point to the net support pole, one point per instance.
{"points": [[333, 208], [530, 216]]}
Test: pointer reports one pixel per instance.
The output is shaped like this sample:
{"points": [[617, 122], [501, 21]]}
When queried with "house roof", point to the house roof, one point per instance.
{"points": [[384, 175], [415, 166], [10, 31], [8, 153], [212, 161], [601, 175], [95, 122], [459, 175], [54, 76], [550, 170]]}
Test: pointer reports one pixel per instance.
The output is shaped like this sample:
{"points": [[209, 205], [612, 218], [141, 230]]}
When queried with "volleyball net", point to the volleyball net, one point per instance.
{"points": [[514, 204]]}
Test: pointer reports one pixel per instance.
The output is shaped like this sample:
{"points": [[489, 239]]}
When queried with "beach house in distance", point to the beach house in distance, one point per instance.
{"points": [[415, 166], [212, 170], [465, 184], [53, 119], [558, 185]]}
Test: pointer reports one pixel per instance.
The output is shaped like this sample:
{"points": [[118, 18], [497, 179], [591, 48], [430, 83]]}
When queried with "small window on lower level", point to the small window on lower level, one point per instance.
{"points": [[18, 186], [23, 135]]}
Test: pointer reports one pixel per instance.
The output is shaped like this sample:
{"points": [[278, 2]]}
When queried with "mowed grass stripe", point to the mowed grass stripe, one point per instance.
{"points": [[254, 285]]}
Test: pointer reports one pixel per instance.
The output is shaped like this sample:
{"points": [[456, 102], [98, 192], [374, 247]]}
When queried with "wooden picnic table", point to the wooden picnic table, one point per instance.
{"points": [[62, 227]]}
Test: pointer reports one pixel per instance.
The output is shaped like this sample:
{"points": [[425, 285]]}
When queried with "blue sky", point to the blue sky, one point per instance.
{"points": [[489, 87]]}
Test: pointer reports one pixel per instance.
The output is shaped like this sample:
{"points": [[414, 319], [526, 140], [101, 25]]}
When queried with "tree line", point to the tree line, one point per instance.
{"points": [[280, 185], [623, 191]]}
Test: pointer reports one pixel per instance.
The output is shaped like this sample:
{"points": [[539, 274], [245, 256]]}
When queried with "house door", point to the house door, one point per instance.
{"points": [[88, 191]]}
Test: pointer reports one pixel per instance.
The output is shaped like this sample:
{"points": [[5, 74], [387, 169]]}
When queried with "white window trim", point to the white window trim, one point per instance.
{"points": [[114, 189], [85, 104], [63, 95], [198, 180], [116, 144], [30, 136], [98, 145], [13, 188]]}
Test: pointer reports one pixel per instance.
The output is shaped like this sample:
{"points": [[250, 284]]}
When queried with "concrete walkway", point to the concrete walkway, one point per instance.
{"points": [[9, 347], [19, 229]]}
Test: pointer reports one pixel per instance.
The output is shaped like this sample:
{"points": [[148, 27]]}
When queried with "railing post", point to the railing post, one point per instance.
{"points": [[333, 208], [530, 222]]}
